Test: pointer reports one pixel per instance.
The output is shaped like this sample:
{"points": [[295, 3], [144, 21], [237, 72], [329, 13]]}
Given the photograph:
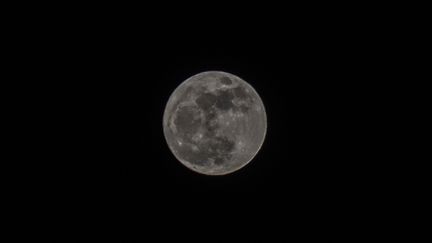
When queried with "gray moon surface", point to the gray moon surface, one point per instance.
{"points": [[214, 123]]}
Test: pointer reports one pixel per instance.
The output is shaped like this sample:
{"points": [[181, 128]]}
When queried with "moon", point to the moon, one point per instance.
{"points": [[214, 123]]}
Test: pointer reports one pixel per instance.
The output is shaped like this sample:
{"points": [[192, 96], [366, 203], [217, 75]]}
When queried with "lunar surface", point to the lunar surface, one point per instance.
{"points": [[214, 123]]}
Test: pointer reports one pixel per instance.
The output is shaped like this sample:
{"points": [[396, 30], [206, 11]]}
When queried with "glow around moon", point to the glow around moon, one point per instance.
{"points": [[214, 123]]}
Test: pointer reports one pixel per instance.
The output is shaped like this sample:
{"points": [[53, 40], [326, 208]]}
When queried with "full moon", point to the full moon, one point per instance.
{"points": [[214, 123]]}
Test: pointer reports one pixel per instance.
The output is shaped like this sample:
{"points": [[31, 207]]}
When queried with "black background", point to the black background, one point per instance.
{"points": [[110, 167]]}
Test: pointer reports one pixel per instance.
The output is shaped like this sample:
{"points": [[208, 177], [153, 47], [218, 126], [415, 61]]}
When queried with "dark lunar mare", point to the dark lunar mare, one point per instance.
{"points": [[211, 145], [225, 80], [187, 120], [224, 100]]}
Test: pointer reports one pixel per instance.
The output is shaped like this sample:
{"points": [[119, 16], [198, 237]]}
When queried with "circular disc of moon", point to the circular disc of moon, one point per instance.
{"points": [[214, 123]]}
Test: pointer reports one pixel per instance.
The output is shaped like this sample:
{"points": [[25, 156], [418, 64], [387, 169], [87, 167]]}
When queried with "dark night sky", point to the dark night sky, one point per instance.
{"points": [[312, 172], [308, 170]]}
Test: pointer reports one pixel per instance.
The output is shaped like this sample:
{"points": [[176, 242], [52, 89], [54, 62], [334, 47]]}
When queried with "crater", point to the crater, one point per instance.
{"points": [[217, 149], [222, 145], [194, 156], [219, 161], [240, 93], [244, 108], [225, 80]]}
